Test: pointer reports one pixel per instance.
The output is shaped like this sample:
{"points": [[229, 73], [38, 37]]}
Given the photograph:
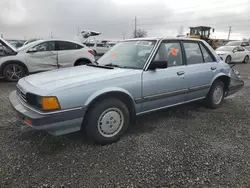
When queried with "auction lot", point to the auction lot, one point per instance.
{"points": [[188, 146]]}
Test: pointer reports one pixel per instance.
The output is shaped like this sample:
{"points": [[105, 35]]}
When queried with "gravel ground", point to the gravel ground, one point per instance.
{"points": [[189, 146]]}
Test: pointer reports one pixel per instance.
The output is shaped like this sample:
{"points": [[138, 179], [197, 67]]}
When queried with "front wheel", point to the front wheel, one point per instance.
{"points": [[246, 59], [228, 59], [13, 72], [215, 95], [107, 121]]}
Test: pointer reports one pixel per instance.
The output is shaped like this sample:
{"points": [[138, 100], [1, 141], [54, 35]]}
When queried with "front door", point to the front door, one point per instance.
{"points": [[165, 87], [201, 69], [42, 57]]}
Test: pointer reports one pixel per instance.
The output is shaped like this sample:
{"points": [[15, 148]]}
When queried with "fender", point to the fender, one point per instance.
{"points": [[217, 76], [13, 61], [108, 90]]}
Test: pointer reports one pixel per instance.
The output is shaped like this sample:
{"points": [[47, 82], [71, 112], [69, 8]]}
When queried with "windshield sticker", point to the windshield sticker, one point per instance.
{"points": [[143, 43], [174, 52], [113, 55]]}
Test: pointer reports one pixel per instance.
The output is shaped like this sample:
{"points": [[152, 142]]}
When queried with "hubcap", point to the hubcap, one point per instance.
{"points": [[218, 94], [14, 72], [110, 122], [247, 59]]}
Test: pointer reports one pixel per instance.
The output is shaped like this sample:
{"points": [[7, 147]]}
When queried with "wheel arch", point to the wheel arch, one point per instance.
{"points": [[118, 93], [12, 62], [81, 59], [225, 80]]}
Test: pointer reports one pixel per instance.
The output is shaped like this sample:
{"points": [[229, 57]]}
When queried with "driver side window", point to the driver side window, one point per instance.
{"points": [[45, 46], [170, 52]]}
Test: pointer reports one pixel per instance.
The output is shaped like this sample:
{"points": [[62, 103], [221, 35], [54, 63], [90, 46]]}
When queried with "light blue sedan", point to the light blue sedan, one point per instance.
{"points": [[135, 77]]}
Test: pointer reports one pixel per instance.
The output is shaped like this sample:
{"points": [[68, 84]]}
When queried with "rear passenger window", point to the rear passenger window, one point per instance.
{"points": [[170, 52], [64, 45], [193, 53], [206, 55]]}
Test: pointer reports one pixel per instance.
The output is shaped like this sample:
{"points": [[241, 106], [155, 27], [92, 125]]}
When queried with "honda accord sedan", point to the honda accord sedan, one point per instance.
{"points": [[135, 77]]}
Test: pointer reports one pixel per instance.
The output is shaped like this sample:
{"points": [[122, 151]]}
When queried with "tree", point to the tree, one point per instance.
{"points": [[140, 33]]}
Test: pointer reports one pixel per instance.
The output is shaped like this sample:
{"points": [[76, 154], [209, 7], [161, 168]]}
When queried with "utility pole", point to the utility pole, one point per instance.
{"points": [[1, 35], [123, 36], [78, 31], [229, 32], [135, 33]]}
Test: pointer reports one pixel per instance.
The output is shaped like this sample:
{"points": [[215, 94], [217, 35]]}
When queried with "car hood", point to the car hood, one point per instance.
{"points": [[4, 42], [80, 75]]}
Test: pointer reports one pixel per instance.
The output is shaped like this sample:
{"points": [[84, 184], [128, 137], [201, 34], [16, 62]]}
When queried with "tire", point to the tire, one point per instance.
{"points": [[215, 95], [81, 62], [228, 59], [102, 123], [13, 72], [246, 59]]}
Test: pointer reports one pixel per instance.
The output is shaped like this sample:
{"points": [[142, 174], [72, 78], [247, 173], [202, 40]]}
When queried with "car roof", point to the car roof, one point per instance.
{"points": [[63, 41], [163, 38]]}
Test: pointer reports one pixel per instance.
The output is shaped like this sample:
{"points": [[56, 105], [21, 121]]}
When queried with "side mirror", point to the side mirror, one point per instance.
{"points": [[157, 64], [32, 50]]}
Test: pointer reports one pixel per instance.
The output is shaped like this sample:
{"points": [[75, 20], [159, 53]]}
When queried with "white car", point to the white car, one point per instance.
{"points": [[233, 54], [244, 44], [99, 48], [41, 55]]}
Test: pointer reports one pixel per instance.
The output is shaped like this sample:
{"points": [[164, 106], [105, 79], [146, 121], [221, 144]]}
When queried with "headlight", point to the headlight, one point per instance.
{"points": [[43, 103]]}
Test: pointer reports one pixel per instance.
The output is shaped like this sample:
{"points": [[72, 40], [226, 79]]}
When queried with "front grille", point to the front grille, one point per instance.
{"points": [[21, 94]]}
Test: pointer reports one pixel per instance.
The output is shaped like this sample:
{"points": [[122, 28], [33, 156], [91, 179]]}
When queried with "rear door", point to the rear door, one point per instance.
{"points": [[42, 57], [201, 69], [67, 53]]}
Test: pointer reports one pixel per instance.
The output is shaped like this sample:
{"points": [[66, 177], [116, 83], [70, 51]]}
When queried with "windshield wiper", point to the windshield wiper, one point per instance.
{"points": [[114, 65], [100, 66]]}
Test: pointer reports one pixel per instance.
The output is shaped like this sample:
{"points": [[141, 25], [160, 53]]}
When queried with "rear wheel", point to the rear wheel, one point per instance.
{"points": [[246, 59], [81, 62], [215, 95], [13, 72], [107, 121], [228, 59]]}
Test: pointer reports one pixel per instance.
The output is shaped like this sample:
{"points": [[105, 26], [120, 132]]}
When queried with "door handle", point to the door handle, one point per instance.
{"points": [[213, 68], [180, 73]]}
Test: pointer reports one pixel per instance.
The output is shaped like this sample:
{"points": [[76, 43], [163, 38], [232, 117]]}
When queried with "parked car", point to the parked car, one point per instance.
{"points": [[42, 55], [105, 97], [244, 44], [98, 48], [233, 54]]}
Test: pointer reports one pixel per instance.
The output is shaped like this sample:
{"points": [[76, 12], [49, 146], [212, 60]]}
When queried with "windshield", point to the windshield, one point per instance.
{"points": [[233, 43], [128, 54], [29, 45], [225, 48]]}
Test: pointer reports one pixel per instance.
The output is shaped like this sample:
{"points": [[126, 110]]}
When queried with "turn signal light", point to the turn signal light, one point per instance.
{"points": [[50, 103]]}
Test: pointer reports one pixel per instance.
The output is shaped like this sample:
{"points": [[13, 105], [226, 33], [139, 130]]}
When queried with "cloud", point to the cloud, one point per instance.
{"points": [[114, 18]]}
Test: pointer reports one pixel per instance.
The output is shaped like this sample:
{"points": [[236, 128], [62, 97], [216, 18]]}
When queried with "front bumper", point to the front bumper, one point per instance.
{"points": [[56, 124]]}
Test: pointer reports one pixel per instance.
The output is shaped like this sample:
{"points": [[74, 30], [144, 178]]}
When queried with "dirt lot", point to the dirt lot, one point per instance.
{"points": [[191, 146]]}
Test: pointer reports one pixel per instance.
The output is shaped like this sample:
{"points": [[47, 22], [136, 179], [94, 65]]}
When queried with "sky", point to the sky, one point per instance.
{"points": [[23, 19]]}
